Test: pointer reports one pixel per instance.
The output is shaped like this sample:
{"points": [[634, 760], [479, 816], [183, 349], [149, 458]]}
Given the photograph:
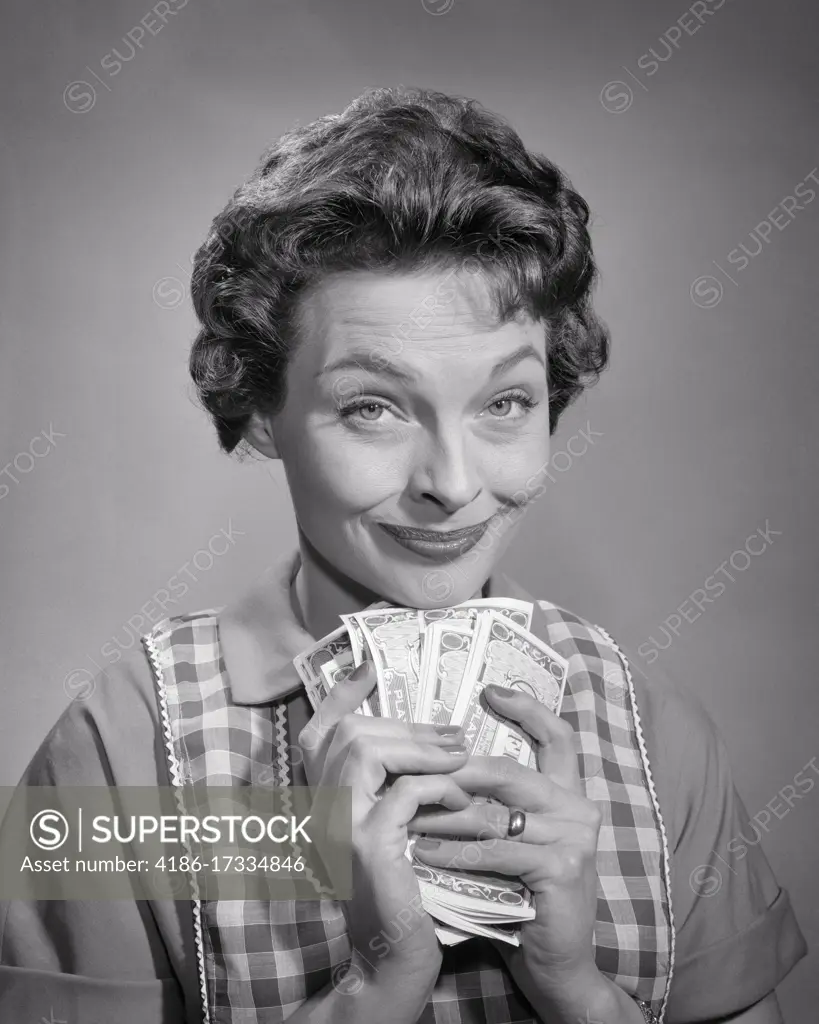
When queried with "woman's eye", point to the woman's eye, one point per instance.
{"points": [[367, 410], [501, 407], [371, 411]]}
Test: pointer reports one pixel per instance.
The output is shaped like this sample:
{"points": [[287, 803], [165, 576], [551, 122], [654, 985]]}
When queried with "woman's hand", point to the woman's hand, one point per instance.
{"points": [[393, 937], [555, 856]]}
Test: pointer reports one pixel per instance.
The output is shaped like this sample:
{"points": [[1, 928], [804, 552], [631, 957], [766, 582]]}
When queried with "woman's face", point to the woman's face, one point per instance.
{"points": [[408, 408]]}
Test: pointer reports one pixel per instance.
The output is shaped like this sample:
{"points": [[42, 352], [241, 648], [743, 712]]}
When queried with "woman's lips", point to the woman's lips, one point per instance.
{"points": [[436, 544]]}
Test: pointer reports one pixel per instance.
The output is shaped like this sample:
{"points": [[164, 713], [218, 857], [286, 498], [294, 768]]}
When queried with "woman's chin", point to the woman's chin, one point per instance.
{"points": [[440, 586]]}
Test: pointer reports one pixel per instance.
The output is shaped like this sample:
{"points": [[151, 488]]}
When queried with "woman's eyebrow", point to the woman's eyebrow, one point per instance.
{"points": [[360, 359]]}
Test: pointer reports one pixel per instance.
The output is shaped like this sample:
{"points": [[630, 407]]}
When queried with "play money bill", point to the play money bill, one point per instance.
{"points": [[328, 662], [447, 642], [394, 641], [505, 654]]}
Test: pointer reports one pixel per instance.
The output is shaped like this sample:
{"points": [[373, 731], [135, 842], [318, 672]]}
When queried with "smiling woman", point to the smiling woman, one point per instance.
{"points": [[396, 305], [413, 468], [386, 422]]}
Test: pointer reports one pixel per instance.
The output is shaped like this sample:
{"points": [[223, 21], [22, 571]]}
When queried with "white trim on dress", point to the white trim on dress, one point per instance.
{"points": [[649, 778], [176, 778]]}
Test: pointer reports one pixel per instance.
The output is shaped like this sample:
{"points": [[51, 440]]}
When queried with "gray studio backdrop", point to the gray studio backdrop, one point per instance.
{"points": [[694, 136]]}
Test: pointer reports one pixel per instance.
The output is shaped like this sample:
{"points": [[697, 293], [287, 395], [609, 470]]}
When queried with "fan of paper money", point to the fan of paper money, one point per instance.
{"points": [[432, 665]]}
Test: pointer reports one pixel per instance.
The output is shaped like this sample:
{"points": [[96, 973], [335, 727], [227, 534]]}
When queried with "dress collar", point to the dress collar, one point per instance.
{"points": [[260, 633]]}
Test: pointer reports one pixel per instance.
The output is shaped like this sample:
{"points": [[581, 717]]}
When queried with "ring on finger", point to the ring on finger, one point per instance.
{"points": [[517, 823]]}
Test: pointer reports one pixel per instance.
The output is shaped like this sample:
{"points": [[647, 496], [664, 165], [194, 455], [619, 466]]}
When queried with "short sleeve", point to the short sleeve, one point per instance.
{"points": [[736, 934], [94, 961]]}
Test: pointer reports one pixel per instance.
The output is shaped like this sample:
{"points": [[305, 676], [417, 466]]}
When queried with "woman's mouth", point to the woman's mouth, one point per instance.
{"points": [[436, 544]]}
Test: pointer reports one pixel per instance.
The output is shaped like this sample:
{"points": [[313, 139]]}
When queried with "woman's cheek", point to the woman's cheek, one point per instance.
{"points": [[511, 467], [357, 476]]}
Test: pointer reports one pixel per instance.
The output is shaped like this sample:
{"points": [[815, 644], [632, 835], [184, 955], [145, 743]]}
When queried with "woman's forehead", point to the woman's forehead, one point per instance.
{"points": [[408, 315]]}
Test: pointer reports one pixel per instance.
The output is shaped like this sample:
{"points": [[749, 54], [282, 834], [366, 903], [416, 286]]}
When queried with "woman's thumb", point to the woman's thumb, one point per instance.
{"points": [[349, 694], [362, 679]]}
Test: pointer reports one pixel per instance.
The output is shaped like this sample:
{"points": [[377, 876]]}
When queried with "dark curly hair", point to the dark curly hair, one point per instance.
{"points": [[403, 180]]}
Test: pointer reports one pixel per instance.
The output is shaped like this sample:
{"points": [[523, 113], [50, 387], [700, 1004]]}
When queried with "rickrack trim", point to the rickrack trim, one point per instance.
{"points": [[283, 780], [176, 776], [282, 759], [656, 804]]}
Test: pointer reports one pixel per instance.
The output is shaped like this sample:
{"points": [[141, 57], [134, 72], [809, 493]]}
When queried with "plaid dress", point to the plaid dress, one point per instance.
{"points": [[259, 960]]}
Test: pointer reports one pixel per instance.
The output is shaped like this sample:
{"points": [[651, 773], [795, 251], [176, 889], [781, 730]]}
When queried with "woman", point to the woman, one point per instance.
{"points": [[396, 305]]}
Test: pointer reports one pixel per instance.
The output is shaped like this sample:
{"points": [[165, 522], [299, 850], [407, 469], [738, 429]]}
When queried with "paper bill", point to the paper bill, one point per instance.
{"points": [[358, 645], [431, 616], [336, 671], [394, 641], [447, 642], [506, 655], [479, 897], [449, 936], [484, 896], [335, 648], [358, 642], [510, 607], [455, 921], [328, 662]]}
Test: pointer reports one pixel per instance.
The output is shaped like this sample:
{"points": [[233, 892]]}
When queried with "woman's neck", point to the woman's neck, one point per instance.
{"points": [[323, 593]]}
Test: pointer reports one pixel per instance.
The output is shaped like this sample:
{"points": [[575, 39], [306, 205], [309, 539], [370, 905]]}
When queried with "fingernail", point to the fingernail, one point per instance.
{"points": [[498, 691], [448, 730], [427, 843], [359, 673], [458, 748], [450, 741]]}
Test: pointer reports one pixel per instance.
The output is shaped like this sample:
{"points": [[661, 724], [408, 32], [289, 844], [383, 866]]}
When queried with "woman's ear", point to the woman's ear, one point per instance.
{"points": [[260, 434]]}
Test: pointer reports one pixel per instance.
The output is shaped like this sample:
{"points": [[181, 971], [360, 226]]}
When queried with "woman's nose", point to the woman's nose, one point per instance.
{"points": [[446, 472]]}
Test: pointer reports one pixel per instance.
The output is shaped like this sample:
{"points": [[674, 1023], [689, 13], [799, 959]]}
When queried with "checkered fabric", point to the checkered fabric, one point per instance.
{"points": [[258, 961]]}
